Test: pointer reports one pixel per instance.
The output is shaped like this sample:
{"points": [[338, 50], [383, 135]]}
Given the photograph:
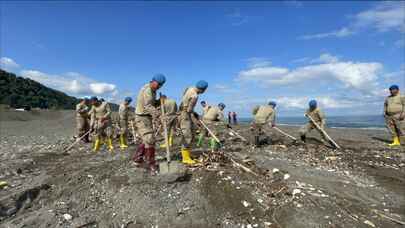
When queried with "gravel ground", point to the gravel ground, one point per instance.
{"points": [[292, 184]]}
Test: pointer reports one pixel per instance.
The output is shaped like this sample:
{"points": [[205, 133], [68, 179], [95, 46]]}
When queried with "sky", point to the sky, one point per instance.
{"points": [[344, 54]]}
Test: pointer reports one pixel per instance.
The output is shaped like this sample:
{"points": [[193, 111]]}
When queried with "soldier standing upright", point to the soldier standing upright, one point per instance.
{"points": [[394, 113], [146, 111], [82, 119], [100, 122], [123, 113]]}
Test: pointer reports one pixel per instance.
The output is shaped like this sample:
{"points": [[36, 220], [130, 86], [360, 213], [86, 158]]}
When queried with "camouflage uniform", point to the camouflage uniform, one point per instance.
{"points": [[318, 116], [123, 113], [145, 112], [171, 115], [263, 119], [214, 119], [394, 109], [82, 120], [101, 120], [189, 100]]}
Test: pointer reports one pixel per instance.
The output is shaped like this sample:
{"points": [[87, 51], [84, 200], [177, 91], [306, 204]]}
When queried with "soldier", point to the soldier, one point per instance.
{"points": [[394, 113], [263, 120], [100, 122], [82, 119], [203, 132], [146, 110], [214, 119], [123, 112], [170, 107], [188, 118], [318, 116]]}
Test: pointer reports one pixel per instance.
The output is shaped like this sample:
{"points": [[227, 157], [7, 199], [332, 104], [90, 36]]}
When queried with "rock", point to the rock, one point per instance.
{"points": [[286, 176], [369, 223], [67, 217], [245, 203], [296, 191]]}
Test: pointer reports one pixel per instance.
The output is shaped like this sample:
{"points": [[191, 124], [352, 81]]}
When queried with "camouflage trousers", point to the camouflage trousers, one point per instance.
{"points": [[82, 126], [260, 131], [144, 127], [187, 127], [123, 127], [103, 129], [304, 130], [394, 125]]}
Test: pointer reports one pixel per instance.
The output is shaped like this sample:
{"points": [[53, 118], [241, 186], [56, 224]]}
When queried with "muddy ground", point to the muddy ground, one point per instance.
{"points": [[292, 184]]}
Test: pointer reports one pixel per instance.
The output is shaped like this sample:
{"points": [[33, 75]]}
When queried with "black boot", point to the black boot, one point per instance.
{"points": [[303, 138]]}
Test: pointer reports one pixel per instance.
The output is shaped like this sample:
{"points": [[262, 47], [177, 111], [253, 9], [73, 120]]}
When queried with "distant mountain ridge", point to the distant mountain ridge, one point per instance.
{"points": [[19, 92]]}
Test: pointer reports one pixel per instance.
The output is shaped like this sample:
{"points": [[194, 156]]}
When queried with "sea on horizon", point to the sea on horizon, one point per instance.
{"points": [[369, 121]]}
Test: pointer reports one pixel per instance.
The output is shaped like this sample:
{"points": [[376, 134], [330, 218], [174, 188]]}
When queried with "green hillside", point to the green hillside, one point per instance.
{"points": [[23, 92]]}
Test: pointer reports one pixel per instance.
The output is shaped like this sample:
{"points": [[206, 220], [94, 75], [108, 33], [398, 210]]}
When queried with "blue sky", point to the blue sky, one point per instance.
{"points": [[345, 54]]}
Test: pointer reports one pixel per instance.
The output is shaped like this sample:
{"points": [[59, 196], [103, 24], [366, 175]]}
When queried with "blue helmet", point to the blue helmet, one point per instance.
{"points": [[128, 99], [222, 105], [394, 87], [159, 78], [312, 104], [273, 103], [203, 85]]}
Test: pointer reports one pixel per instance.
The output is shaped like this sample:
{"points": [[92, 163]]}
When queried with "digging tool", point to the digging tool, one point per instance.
{"points": [[133, 130], [323, 131], [237, 134], [77, 140], [162, 108], [284, 133], [209, 131]]}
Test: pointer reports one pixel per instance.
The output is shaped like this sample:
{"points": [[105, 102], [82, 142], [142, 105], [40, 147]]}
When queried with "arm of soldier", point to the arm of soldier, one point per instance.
{"points": [[190, 107], [385, 108], [150, 104], [82, 109], [108, 111], [92, 118]]}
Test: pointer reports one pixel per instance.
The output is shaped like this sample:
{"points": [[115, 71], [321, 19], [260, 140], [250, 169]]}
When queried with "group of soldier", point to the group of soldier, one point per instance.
{"points": [[151, 112]]}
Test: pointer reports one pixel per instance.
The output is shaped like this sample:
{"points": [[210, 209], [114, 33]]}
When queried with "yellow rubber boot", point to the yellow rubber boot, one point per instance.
{"points": [[96, 147], [185, 153], [171, 140], [110, 145], [395, 142], [123, 145]]}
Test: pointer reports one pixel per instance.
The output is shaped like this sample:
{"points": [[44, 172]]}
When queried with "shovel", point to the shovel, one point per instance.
{"points": [[323, 131]]}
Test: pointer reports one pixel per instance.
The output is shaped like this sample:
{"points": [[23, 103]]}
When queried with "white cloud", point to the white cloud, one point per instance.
{"points": [[324, 102], [71, 83], [341, 33], [354, 75], [258, 62], [326, 58], [384, 17], [8, 63], [101, 88]]}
